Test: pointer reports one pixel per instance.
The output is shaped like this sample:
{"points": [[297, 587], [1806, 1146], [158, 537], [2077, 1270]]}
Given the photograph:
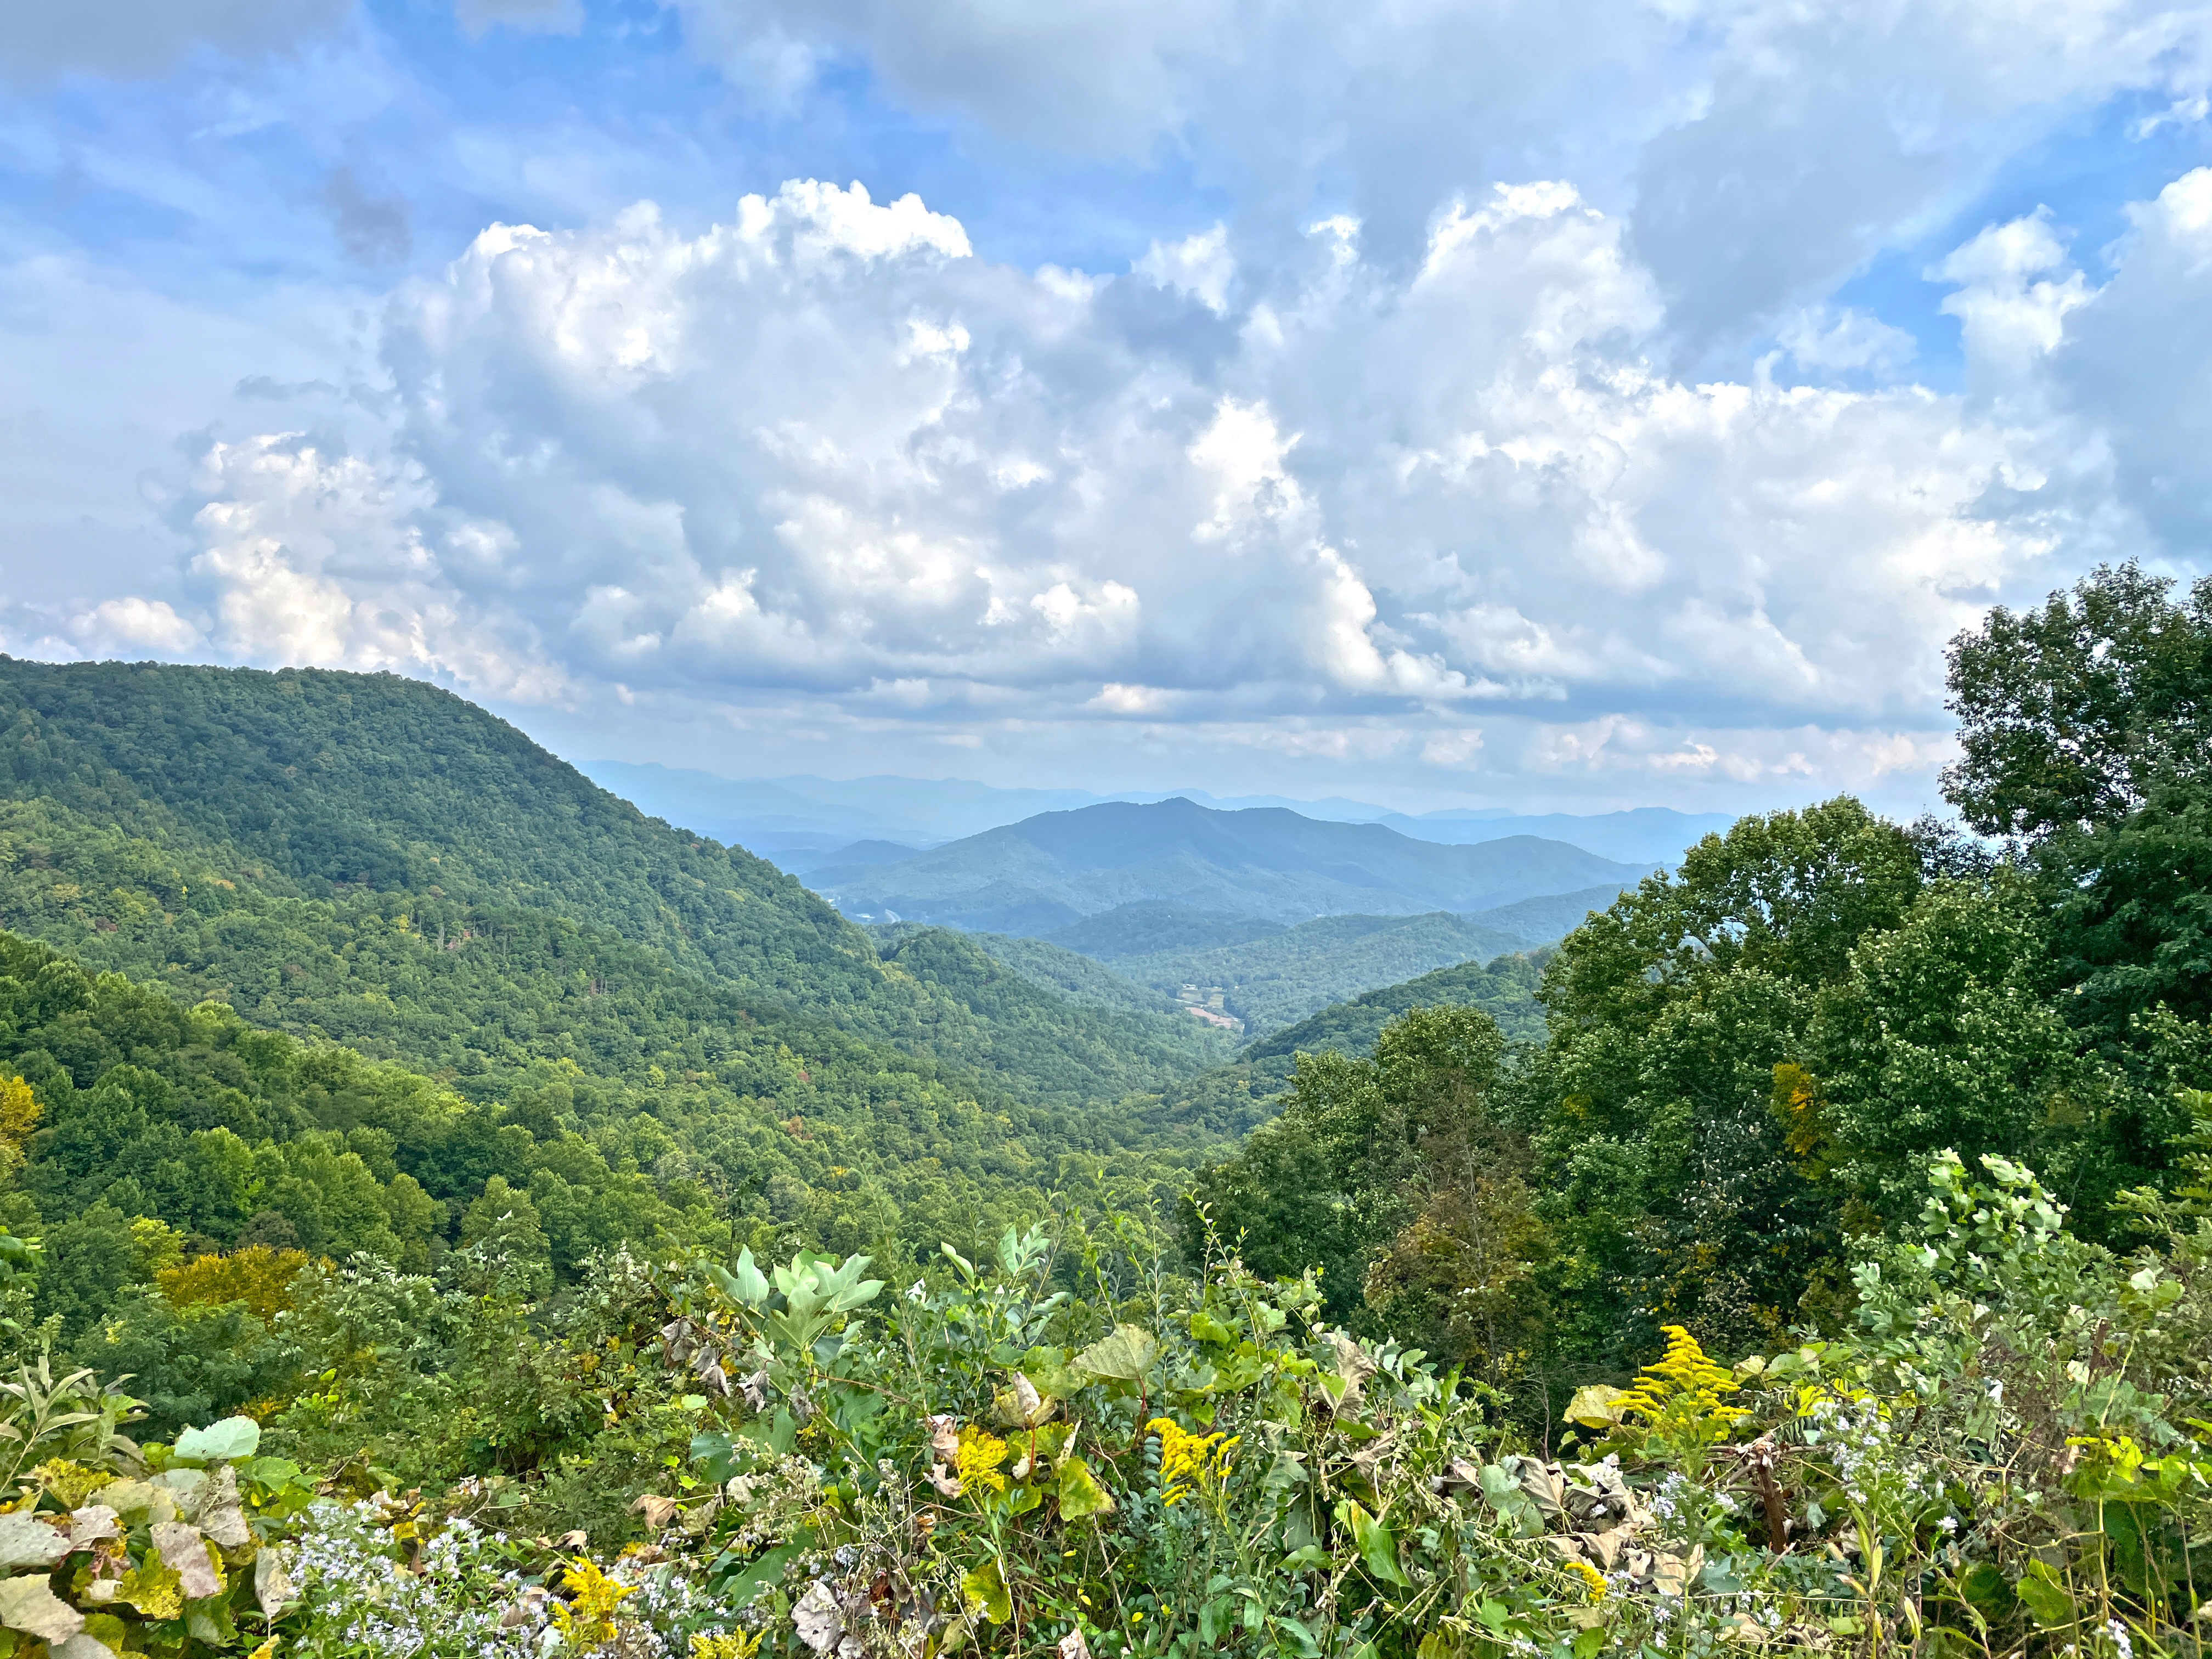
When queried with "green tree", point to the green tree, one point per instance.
{"points": [[2070, 715]]}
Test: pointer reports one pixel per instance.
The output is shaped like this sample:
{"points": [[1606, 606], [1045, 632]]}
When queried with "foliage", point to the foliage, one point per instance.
{"points": [[1285, 977], [2071, 715]]}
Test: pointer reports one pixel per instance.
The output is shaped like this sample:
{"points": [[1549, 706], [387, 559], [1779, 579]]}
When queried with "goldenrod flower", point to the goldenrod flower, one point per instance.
{"points": [[1591, 1577], [1186, 1459], [589, 1620], [978, 1459], [1683, 1385]]}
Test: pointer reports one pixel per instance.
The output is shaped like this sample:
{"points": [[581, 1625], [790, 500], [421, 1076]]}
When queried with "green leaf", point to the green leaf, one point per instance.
{"points": [[716, 1455], [744, 1285], [1123, 1357], [1987, 1591], [233, 1436], [757, 1575], [1080, 1494], [1378, 1547], [1206, 1328], [985, 1589], [2045, 1597]]}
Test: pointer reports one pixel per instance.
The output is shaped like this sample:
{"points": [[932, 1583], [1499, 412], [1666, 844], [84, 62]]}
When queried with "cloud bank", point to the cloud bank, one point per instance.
{"points": [[825, 458]]}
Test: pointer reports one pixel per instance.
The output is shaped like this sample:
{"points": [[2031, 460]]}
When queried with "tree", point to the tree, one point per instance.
{"points": [[1666, 1174], [2068, 716]]}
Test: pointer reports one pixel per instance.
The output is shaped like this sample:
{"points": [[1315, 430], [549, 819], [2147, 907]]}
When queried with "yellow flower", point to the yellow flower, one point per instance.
{"points": [[1591, 1577], [589, 1620], [978, 1459], [1187, 1459], [1685, 1386], [725, 1645]]}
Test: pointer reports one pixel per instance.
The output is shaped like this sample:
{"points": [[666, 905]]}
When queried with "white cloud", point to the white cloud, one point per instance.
{"points": [[1763, 148], [1200, 266], [116, 627], [823, 460], [2134, 365], [1824, 337], [2016, 285]]}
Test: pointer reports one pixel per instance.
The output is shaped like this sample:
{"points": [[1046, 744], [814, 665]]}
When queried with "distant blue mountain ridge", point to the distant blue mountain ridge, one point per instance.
{"points": [[808, 823], [1056, 869]]}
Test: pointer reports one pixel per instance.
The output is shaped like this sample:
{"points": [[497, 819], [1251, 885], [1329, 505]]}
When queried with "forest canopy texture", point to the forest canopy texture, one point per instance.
{"points": [[454, 1160]]}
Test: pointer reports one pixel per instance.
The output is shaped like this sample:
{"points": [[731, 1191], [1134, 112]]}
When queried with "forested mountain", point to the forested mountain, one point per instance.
{"points": [[1272, 982], [485, 1276], [1050, 871], [369, 861], [374, 860]]}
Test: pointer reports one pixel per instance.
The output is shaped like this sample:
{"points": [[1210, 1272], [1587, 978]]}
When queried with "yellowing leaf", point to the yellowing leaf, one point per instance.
{"points": [[1124, 1356], [985, 1588], [1080, 1494]]}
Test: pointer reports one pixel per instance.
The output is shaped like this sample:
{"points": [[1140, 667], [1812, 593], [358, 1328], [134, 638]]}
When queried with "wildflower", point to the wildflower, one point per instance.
{"points": [[2119, 1632], [1684, 1384], [725, 1645], [1590, 1576], [1187, 1458], [589, 1620], [977, 1460]]}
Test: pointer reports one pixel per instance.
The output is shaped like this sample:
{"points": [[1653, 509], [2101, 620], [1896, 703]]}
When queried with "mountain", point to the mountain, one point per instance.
{"points": [[369, 861], [1151, 925], [854, 856], [1269, 982], [1546, 919], [1506, 989], [1646, 835], [1050, 871], [1232, 1099]]}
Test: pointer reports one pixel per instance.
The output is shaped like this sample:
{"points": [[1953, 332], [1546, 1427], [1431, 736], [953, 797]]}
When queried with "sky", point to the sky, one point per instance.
{"points": [[1554, 404]]}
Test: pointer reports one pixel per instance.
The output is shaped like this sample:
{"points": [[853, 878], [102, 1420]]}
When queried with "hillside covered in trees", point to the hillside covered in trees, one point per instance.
{"points": [[521, 1227]]}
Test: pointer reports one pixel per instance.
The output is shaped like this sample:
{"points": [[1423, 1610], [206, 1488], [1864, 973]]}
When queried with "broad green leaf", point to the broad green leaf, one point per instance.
{"points": [[233, 1436], [745, 1284], [755, 1576], [1080, 1494], [1378, 1548], [1125, 1356], [2045, 1597], [1206, 1328], [1987, 1590], [715, 1453]]}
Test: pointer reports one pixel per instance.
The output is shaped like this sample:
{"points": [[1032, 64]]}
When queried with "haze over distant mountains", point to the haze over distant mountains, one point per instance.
{"points": [[807, 823], [1057, 868]]}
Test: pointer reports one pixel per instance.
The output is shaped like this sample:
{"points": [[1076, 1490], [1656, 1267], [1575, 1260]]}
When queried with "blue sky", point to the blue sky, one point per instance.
{"points": [[1566, 405]]}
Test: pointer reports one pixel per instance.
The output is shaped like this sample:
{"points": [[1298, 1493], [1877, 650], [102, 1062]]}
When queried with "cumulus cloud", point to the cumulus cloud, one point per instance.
{"points": [[120, 627], [1763, 149], [1453, 514], [2136, 357]]}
